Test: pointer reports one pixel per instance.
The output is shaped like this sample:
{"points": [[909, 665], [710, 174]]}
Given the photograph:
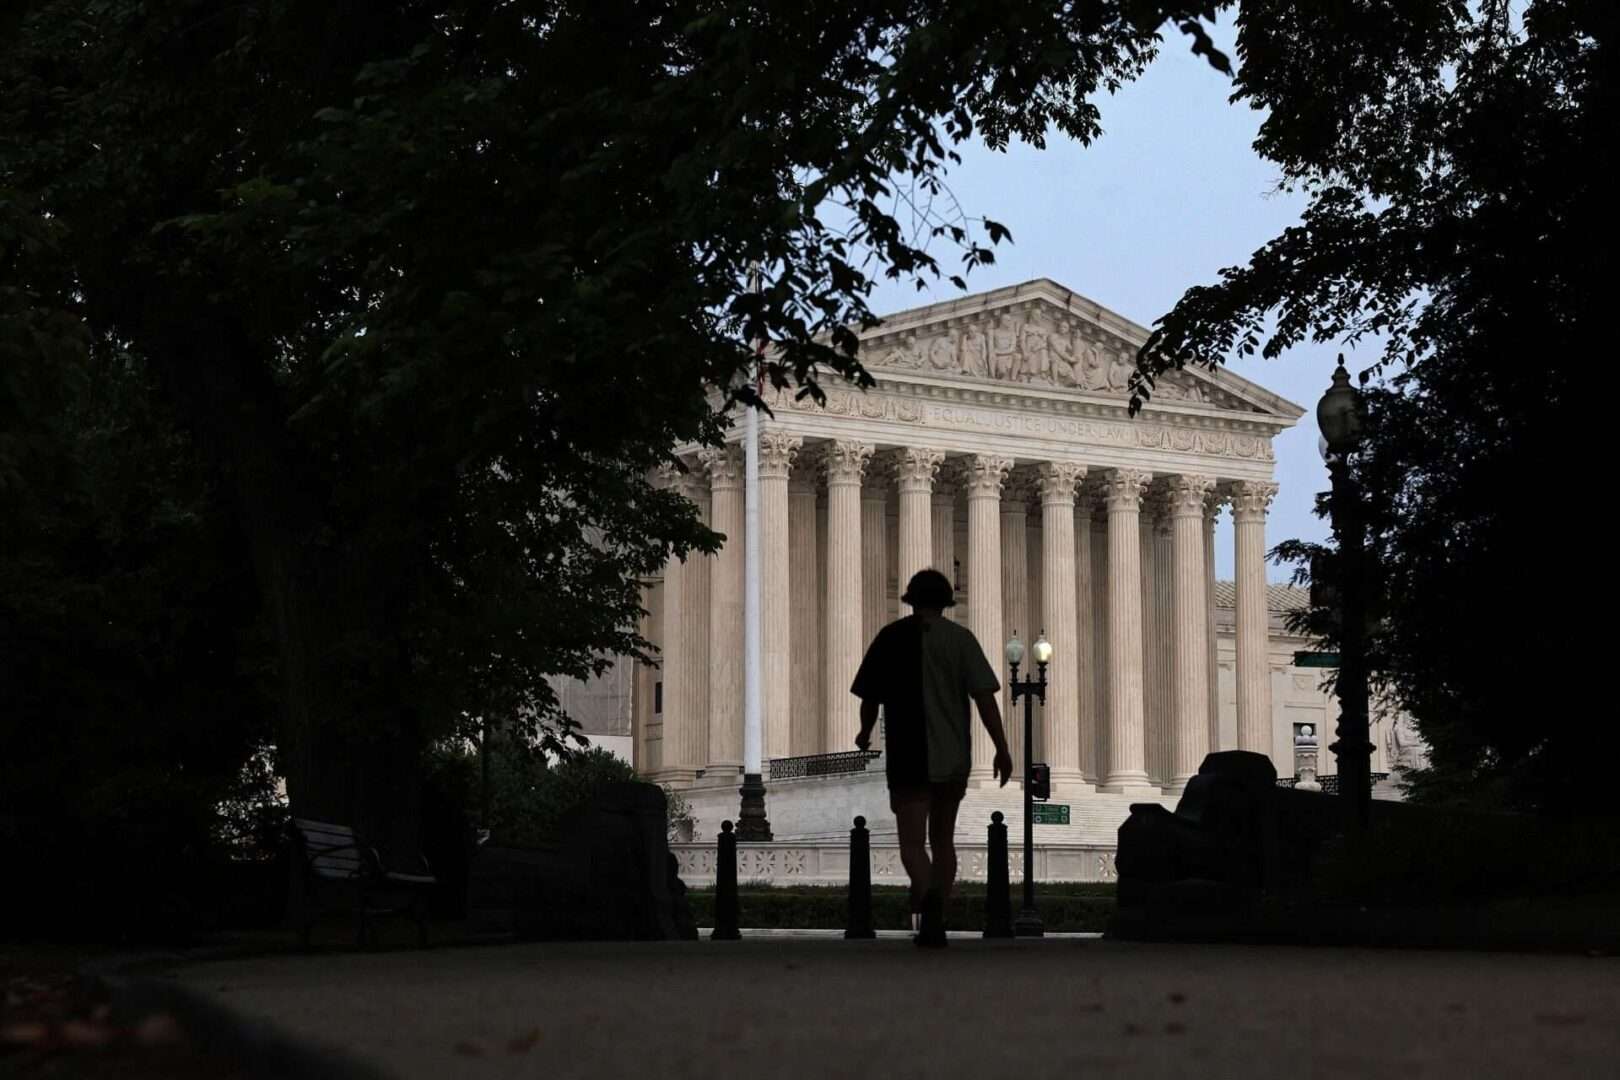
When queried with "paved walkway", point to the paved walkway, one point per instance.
{"points": [[775, 1007]]}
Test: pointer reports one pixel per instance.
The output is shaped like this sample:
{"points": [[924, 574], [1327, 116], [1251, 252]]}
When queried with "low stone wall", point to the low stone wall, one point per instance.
{"points": [[805, 805], [826, 862]]}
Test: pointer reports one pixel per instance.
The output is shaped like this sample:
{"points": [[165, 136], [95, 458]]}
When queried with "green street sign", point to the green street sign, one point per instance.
{"points": [[1051, 814], [1316, 659]]}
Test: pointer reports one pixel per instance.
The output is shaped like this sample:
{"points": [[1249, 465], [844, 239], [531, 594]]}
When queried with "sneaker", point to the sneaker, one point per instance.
{"points": [[932, 933]]}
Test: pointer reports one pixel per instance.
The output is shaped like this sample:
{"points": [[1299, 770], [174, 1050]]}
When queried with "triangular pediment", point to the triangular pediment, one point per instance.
{"points": [[1039, 335]]}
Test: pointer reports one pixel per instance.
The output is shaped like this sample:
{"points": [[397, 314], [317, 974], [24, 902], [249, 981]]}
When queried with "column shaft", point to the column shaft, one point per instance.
{"points": [[805, 588], [943, 530], [1152, 711], [1086, 668], [844, 463], [1249, 502], [915, 469], [874, 558], [726, 610], [1163, 629], [695, 624], [1098, 524], [776, 453], [1014, 601], [1212, 507], [983, 478], [1189, 712], [676, 656], [1126, 761], [1062, 729]]}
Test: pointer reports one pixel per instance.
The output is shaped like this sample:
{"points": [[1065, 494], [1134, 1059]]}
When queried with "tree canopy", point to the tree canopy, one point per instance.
{"points": [[432, 293], [1457, 159]]}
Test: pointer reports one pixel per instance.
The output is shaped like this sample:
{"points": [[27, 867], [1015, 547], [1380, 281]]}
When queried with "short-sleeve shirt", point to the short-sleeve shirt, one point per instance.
{"points": [[924, 672]]}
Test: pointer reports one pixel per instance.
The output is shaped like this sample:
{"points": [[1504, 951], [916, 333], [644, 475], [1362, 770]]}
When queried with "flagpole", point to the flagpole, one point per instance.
{"points": [[752, 824]]}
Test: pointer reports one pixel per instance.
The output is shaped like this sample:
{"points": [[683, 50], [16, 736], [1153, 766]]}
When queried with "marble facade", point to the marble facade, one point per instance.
{"points": [[997, 446]]}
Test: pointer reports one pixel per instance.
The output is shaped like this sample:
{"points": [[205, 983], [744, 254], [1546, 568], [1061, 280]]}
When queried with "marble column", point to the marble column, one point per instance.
{"points": [[983, 476], [1212, 509], [844, 464], [1126, 767], [777, 450], [1098, 525], [676, 655], [1086, 667], [944, 537], [1163, 627], [1057, 483], [1189, 706], [1014, 600], [695, 603], [652, 732], [915, 468], [1250, 500], [874, 555], [1152, 713], [641, 689], [1037, 608], [725, 467], [804, 622]]}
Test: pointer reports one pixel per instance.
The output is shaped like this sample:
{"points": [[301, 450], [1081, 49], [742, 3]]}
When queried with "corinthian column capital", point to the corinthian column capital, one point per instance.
{"points": [[1217, 498], [724, 465], [1251, 499], [1185, 495], [1122, 489], [915, 468], [983, 475], [845, 461], [777, 449], [1057, 481], [672, 477]]}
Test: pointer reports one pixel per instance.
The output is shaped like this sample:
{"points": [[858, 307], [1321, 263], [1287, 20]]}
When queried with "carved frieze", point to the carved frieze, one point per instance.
{"points": [[1035, 346]]}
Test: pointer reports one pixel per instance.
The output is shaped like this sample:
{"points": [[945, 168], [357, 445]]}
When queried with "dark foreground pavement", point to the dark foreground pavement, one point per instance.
{"points": [[829, 1008]]}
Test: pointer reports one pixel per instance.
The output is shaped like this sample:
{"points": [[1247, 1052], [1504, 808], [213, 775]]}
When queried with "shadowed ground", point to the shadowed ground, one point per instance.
{"points": [[818, 1007]]}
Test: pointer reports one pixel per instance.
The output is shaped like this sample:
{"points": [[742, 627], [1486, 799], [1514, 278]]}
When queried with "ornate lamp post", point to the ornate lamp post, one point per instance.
{"points": [[1028, 923], [1339, 415]]}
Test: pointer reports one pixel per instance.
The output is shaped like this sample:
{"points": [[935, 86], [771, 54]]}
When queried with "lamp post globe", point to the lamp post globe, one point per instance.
{"points": [[1338, 414]]}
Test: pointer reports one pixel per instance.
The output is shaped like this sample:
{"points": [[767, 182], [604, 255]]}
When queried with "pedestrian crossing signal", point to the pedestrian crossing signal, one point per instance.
{"points": [[1040, 781]]}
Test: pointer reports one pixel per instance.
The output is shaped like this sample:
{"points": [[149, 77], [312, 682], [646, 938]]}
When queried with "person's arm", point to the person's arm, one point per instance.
{"points": [[869, 711], [990, 714]]}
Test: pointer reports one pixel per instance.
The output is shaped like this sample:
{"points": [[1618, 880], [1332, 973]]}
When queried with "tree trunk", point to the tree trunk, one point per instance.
{"points": [[338, 766]]}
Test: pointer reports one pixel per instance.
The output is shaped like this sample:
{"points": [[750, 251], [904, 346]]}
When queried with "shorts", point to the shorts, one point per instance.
{"points": [[937, 793]]}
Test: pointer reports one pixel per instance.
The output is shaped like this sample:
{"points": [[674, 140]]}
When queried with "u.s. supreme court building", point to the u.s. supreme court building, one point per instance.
{"points": [[997, 447]]}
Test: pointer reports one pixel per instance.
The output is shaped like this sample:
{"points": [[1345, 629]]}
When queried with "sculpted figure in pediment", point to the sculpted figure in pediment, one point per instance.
{"points": [[1037, 364], [1093, 367], [1065, 359], [1119, 372], [1004, 352], [974, 352], [942, 353]]}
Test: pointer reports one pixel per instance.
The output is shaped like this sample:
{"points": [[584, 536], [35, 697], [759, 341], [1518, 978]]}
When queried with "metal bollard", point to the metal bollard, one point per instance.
{"points": [[997, 883], [725, 887], [860, 882]]}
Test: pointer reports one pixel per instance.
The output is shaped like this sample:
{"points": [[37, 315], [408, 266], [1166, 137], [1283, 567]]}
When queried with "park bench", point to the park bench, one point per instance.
{"points": [[331, 865]]}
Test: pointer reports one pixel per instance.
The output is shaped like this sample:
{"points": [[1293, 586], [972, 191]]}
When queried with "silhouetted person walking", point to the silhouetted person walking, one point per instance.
{"points": [[923, 670]]}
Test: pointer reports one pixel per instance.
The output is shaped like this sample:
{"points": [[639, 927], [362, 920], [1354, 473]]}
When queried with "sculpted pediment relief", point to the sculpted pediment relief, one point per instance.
{"points": [[1035, 348]]}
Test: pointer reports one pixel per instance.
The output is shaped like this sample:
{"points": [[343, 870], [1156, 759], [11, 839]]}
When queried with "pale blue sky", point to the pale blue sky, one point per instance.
{"points": [[1168, 196]]}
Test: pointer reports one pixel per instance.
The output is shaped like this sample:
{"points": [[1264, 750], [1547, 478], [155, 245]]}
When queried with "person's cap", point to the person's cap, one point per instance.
{"points": [[929, 589]]}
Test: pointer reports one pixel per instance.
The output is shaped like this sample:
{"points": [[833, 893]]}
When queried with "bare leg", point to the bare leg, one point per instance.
{"points": [[911, 821], [942, 842]]}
